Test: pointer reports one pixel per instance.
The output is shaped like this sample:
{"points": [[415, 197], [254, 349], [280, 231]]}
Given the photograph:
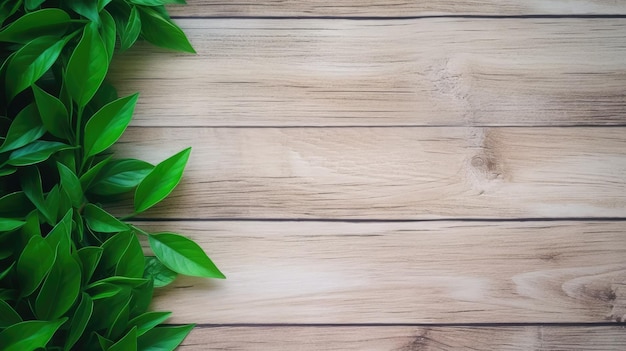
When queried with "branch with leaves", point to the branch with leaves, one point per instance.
{"points": [[72, 275]]}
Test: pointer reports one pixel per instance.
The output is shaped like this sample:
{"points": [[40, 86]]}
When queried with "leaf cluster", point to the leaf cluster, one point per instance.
{"points": [[72, 275]]}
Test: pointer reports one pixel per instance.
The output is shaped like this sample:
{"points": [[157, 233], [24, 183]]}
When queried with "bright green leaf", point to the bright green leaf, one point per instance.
{"points": [[8, 316], [60, 289], [161, 275], [183, 255], [101, 221], [130, 30], [131, 264], [120, 176], [107, 32], [107, 125], [34, 264], [35, 152], [86, 8], [103, 290], [160, 182], [148, 320], [33, 25], [29, 335], [162, 32], [127, 343], [9, 224], [26, 127], [70, 184], [60, 235], [119, 323], [92, 173], [163, 338], [53, 113]]}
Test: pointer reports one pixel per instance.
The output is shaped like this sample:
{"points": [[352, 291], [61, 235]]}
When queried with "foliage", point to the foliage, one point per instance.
{"points": [[72, 275]]}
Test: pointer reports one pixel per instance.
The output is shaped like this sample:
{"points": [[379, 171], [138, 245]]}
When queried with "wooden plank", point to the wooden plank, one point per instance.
{"points": [[390, 173], [435, 71], [544, 338], [406, 272], [386, 8]]}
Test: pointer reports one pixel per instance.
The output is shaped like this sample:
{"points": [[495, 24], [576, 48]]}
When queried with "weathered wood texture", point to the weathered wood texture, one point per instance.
{"points": [[419, 272], [391, 173], [434, 71], [540, 338], [401, 8]]}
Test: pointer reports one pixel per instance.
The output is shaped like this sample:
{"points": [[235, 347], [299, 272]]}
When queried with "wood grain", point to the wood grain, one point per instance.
{"points": [[395, 8], [415, 272], [432, 71], [390, 173], [543, 338]]}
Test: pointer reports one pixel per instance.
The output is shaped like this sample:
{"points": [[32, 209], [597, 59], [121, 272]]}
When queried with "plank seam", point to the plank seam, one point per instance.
{"points": [[400, 18], [416, 325], [560, 126], [339, 220]]}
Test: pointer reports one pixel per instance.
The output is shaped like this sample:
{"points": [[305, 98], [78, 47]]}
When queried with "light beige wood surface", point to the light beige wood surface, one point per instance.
{"points": [[390, 173], [390, 8], [601, 338], [416, 272], [433, 71]]}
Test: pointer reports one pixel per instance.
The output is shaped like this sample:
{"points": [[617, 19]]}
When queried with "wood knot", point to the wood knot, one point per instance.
{"points": [[487, 165]]}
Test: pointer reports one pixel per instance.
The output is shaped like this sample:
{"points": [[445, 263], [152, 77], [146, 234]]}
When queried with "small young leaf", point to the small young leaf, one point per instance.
{"points": [[35, 152], [120, 176], [29, 335], [183, 255], [53, 22], [9, 224], [60, 289], [107, 32], [148, 320], [8, 316], [101, 221], [79, 321], [26, 127], [88, 257], [161, 275], [161, 181], [163, 338], [71, 185], [108, 124], [87, 66], [34, 264], [53, 113], [86, 8], [163, 32], [127, 343], [130, 30]]}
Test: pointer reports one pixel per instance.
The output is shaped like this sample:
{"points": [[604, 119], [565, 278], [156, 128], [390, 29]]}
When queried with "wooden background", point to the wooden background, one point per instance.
{"points": [[394, 175]]}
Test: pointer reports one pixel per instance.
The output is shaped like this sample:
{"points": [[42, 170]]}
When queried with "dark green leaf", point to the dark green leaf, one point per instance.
{"points": [[9, 224], [127, 343], [105, 343], [32, 4], [113, 250], [15, 204], [8, 316], [88, 257], [160, 182], [131, 264], [79, 321], [107, 309], [107, 33], [52, 22], [31, 62], [87, 66], [108, 124], [183, 255], [162, 32], [130, 30], [31, 184], [60, 289], [7, 171], [119, 324], [60, 236], [155, 270], [29, 335], [34, 264], [102, 4], [121, 176], [148, 320], [7, 271], [52, 204], [35, 152], [26, 127], [103, 290], [8, 8], [86, 8], [93, 172], [163, 338], [141, 298], [101, 221], [71, 185], [53, 113]]}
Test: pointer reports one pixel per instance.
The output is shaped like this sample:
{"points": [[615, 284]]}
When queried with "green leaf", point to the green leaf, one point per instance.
{"points": [[113, 250], [7, 171], [60, 236], [79, 321], [107, 32], [161, 275], [87, 66], [29, 335], [148, 320], [33, 25], [107, 125], [6, 272], [8, 8], [105, 343], [35, 152], [129, 30], [127, 343], [121, 176], [103, 290], [26, 127], [71, 185], [31, 184], [86, 8], [163, 32], [183, 255], [119, 323], [102, 4], [163, 338], [107, 309], [53, 113], [88, 177], [8, 316], [160, 182], [9, 224], [32, 4], [156, 2], [52, 204], [120, 281], [101, 221], [31, 62], [141, 297], [15, 204], [60, 289], [34, 264], [131, 264], [88, 257]]}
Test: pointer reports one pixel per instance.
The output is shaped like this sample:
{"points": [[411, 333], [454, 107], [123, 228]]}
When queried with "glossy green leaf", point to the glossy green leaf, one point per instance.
{"points": [[31, 62], [86, 8], [160, 182], [148, 320], [26, 128], [53, 113], [120, 176], [101, 221], [60, 236], [15, 204], [131, 264], [107, 309], [7, 171], [31, 184], [102, 4], [127, 343], [88, 258], [8, 316], [119, 323], [163, 338], [60, 289], [34, 264], [35, 152], [183, 255], [79, 321], [87, 66], [32, 4], [129, 30], [113, 250], [161, 275], [52, 204], [108, 32], [70, 184], [29, 335], [33, 25], [141, 297], [162, 32], [103, 290], [120, 281], [92, 173], [107, 125], [10, 224]]}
